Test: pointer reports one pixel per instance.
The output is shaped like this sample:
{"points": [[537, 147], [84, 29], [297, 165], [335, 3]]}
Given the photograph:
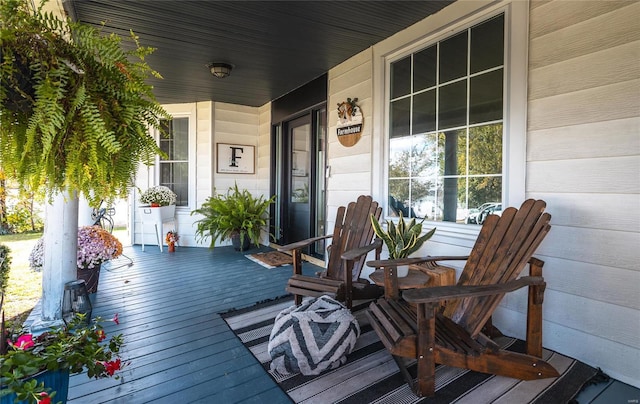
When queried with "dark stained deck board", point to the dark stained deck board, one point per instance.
{"points": [[179, 347], [182, 351]]}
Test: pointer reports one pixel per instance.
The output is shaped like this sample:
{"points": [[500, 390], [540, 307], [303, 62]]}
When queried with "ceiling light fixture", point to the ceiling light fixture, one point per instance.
{"points": [[220, 70]]}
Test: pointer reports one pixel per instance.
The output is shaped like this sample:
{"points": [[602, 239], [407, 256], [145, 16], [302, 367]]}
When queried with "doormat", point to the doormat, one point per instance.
{"points": [[271, 259], [378, 380]]}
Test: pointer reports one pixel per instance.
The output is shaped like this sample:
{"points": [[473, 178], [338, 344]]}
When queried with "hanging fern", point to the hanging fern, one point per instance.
{"points": [[75, 108]]}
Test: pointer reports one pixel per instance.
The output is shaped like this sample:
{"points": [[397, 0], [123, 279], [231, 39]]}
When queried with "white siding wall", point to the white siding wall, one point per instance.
{"points": [[583, 158], [214, 123], [350, 167]]}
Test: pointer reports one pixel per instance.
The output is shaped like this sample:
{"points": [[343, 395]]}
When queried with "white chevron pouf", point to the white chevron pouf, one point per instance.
{"points": [[313, 337]]}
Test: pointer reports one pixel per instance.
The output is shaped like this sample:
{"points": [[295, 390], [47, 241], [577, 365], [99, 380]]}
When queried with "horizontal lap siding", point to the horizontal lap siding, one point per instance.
{"points": [[583, 158], [350, 167]]}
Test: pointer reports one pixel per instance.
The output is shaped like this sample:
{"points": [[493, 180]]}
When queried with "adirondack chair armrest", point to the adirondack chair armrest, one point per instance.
{"points": [[411, 261], [355, 253], [438, 294], [303, 243]]}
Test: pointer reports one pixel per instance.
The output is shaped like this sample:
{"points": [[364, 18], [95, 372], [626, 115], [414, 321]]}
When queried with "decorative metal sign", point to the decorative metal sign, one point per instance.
{"points": [[350, 121]]}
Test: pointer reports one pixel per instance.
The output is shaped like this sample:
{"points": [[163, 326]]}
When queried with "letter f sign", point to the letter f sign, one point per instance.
{"points": [[234, 156]]}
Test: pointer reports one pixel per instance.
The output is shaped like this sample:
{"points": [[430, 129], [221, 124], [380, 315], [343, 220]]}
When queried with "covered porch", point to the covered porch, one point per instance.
{"points": [[179, 346]]}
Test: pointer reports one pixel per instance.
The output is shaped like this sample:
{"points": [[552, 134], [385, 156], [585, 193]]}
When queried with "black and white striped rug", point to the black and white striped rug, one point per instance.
{"points": [[371, 376]]}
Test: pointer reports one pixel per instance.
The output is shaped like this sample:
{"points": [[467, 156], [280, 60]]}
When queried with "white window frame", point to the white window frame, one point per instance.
{"points": [[183, 111], [449, 21]]}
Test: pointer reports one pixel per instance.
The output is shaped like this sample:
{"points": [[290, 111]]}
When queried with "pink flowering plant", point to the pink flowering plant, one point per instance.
{"points": [[75, 347], [95, 246]]}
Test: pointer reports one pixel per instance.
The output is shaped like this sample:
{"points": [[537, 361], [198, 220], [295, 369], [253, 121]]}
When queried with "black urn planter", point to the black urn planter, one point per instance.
{"points": [[237, 244]]}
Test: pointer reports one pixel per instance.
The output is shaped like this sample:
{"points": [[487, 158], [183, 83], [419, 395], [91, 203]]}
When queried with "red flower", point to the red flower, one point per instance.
{"points": [[112, 366], [23, 342], [45, 398], [101, 335], [115, 319]]}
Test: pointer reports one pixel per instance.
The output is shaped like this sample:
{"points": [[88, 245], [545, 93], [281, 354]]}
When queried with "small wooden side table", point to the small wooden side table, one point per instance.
{"points": [[423, 275]]}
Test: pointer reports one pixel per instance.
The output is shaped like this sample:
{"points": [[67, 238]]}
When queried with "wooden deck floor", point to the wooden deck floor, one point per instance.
{"points": [[179, 347], [181, 351]]}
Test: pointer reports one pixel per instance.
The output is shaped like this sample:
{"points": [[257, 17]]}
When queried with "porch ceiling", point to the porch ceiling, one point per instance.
{"points": [[276, 46]]}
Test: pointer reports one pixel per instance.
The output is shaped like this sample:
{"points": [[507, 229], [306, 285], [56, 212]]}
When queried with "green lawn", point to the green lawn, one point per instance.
{"points": [[25, 286]]}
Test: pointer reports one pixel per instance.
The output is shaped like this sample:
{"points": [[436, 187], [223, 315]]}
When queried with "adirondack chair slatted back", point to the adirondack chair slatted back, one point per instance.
{"points": [[352, 229], [503, 248]]}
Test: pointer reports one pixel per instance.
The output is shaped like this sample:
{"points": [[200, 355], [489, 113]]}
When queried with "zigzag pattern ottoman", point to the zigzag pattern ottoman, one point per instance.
{"points": [[313, 337]]}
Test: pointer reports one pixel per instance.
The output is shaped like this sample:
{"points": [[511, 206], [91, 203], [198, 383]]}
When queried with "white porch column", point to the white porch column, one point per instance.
{"points": [[60, 254], [84, 212]]}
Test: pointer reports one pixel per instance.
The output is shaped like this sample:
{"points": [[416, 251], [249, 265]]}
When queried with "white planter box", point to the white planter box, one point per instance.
{"points": [[157, 216]]}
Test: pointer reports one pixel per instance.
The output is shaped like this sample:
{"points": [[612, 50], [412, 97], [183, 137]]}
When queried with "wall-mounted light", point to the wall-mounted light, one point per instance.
{"points": [[220, 70]]}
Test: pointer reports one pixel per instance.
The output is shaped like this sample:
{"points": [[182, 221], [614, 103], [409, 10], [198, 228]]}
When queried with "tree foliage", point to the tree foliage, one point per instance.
{"points": [[75, 108]]}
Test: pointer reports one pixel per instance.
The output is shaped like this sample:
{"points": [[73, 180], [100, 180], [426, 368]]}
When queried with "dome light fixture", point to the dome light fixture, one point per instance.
{"points": [[220, 69]]}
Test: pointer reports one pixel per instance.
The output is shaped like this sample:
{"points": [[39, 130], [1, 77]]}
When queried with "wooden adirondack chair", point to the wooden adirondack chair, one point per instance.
{"points": [[352, 239], [418, 327]]}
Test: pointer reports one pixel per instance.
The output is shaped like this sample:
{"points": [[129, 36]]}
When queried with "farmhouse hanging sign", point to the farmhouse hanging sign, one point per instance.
{"points": [[350, 121]]}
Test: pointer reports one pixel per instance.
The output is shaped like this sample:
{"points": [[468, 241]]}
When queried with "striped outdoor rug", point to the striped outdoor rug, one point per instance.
{"points": [[371, 376]]}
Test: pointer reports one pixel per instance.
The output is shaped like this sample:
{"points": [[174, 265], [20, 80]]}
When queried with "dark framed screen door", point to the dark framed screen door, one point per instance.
{"points": [[299, 202], [301, 186]]}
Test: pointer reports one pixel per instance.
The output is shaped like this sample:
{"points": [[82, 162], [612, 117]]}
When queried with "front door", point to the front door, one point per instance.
{"points": [[298, 201], [301, 189]]}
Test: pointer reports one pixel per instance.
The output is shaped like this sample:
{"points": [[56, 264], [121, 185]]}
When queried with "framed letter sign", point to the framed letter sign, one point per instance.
{"points": [[235, 158]]}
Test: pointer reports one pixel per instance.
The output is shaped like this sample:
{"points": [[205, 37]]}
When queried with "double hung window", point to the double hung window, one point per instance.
{"points": [[174, 167]]}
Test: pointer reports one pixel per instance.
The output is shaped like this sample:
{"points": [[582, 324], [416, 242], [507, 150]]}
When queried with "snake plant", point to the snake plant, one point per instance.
{"points": [[402, 239]]}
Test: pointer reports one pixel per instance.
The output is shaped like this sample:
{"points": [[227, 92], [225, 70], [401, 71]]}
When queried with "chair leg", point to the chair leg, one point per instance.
{"points": [[426, 384], [402, 365], [297, 300], [534, 311]]}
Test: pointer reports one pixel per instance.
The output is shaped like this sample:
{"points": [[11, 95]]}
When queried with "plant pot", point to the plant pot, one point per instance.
{"points": [[402, 270], [56, 380], [171, 247], [240, 246], [90, 277]]}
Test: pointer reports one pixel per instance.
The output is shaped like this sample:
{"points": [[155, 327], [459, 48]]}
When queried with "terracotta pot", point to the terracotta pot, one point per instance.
{"points": [[155, 205], [172, 247]]}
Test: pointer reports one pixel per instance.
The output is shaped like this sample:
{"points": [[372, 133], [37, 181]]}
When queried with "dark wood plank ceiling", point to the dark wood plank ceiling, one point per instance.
{"points": [[276, 46]]}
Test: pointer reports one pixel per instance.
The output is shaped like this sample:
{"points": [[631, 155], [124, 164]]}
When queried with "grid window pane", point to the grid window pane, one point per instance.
{"points": [[399, 157], [400, 117], [453, 105], [485, 97], [485, 150], [424, 68], [487, 45], [401, 77], [453, 57], [424, 112], [446, 135]]}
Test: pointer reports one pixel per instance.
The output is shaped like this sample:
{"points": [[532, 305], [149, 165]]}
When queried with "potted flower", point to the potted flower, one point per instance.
{"points": [[160, 204], [402, 239], [95, 246], [158, 195], [172, 239], [236, 215], [36, 369]]}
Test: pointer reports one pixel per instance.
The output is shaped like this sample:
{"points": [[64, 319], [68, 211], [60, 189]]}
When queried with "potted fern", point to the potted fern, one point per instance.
{"points": [[236, 215], [402, 239]]}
